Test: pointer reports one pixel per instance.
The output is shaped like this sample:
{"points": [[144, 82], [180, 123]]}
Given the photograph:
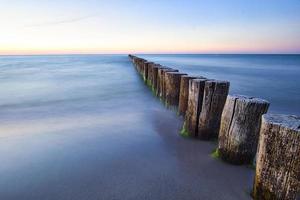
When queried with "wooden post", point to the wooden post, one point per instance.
{"points": [[172, 87], [145, 70], [148, 70], [160, 75], [135, 61], [239, 131], [154, 76], [215, 94], [184, 93], [196, 91], [149, 79], [141, 66], [163, 82], [138, 61], [159, 79], [278, 158]]}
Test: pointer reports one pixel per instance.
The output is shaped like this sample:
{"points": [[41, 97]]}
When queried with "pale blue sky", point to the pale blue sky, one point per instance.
{"points": [[203, 26]]}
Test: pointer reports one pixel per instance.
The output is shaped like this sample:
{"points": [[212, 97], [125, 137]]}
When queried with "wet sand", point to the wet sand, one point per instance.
{"points": [[121, 145]]}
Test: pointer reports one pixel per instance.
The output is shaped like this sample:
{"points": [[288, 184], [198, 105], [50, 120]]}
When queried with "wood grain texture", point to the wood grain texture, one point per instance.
{"points": [[240, 125], [196, 92], [163, 82], [145, 70], [214, 98], [278, 158], [159, 80], [150, 78], [172, 88], [184, 93], [155, 68]]}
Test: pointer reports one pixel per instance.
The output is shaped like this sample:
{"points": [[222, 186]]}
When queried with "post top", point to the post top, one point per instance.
{"points": [[189, 76], [169, 70], [218, 81], [156, 65], [249, 99], [287, 121], [174, 72], [198, 79]]}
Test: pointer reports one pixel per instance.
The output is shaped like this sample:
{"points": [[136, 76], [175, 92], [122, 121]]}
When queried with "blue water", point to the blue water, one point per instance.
{"points": [[86, 127], [275, 78]]}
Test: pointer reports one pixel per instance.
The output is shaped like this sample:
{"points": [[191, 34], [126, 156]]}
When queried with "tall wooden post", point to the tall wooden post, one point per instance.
{"points": [[172, 88], [138, 65], [141, 65], [278, 158], [196, 91], [239, 131], [161, 82], [136, 60], [149, 79], [145, 70], [184, 93], [163, 91], [215, 94], [154, 76]]}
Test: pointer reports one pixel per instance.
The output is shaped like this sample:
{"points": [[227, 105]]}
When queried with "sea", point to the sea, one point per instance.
{"points": [[275, 78], [87, 127]]}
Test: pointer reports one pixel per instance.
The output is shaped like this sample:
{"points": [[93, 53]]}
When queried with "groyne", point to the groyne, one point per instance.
{"points": [[246, 133]]}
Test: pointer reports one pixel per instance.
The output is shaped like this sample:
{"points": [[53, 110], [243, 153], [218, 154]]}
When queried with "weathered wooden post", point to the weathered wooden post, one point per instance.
{"points": [[163, 88], [135, 61], [215, 94], [141, 65], [155, 68], [172, 88], [145, 70], [160, 80], [278, 158], [196, 91], [184, 93], [149, 79], [239, 131]]}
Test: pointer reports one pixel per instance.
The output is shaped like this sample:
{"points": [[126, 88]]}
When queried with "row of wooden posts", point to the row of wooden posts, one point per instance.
{"points": [[240, 123]]}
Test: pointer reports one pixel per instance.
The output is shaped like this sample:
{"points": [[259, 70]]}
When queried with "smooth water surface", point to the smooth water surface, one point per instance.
{"points": [[86, 127], [275, 78]]}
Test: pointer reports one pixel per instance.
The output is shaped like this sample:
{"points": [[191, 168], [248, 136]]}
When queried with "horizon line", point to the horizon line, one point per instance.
{"points": [[158, 53]]}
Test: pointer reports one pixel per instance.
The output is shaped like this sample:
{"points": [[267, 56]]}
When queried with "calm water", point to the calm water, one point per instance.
{"points": [[86, 127], [275, 78]]}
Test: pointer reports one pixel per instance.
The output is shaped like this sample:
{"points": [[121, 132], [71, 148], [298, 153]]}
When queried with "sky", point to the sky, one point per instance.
{"points": [[152, 26]]}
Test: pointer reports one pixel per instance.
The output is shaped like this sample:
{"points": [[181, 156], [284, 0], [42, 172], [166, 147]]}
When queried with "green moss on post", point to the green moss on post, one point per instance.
{"points": [[215, 154], [149, 84], [184, 132]]}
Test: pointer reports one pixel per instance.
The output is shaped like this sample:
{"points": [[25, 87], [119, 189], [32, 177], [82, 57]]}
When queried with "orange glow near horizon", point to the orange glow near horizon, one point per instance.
{"points": [[208, 50]]}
